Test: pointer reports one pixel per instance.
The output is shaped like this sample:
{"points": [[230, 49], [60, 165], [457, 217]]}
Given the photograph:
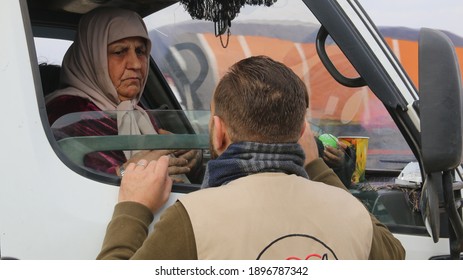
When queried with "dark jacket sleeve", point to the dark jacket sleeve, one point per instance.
{"points": [[384, 244]]}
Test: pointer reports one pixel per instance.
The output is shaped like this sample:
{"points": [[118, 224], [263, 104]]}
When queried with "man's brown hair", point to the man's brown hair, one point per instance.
{"points": [[261, 100]]}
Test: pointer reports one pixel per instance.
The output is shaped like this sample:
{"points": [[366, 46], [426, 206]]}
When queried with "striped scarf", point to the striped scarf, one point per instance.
{"points": [[246, 158]]}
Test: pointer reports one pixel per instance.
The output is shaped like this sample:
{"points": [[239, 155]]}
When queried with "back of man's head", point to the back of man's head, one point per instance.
{"points": [[261, 100]]}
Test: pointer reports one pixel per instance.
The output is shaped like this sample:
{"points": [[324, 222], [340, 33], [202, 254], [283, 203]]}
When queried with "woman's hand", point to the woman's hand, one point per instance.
{"points": [[193, 157], [176, 165]]}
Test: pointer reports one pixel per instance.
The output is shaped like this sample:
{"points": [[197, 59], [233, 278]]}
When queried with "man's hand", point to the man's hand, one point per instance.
{"points": [[334, 157], [147, 183]]}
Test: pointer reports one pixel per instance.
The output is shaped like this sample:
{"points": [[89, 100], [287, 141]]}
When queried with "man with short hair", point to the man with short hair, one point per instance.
{"points": [[257, 200]]}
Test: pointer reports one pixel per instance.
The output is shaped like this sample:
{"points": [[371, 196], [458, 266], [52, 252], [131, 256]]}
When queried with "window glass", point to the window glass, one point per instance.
{"points": [[51, 51], [400, 22], [193, 59], [90, 139]]}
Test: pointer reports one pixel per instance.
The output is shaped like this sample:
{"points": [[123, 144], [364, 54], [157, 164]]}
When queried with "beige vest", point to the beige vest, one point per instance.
{"points": [[278, 216]]}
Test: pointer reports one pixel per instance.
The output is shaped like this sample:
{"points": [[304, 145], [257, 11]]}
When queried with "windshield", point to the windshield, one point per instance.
{"points": [[193, 59]]}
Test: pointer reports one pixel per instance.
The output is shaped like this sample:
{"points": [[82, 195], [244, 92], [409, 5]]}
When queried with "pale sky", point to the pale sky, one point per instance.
{"points": [[437, 14]]}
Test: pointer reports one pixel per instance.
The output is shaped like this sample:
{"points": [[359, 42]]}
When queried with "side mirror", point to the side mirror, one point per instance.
{"points": [[441, 126]]}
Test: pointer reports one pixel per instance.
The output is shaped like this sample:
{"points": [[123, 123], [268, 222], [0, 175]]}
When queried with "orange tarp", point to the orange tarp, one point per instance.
{"points": [[328, 99]]}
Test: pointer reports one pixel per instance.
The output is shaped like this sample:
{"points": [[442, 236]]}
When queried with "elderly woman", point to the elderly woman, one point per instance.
{"points": [[105, 69]]}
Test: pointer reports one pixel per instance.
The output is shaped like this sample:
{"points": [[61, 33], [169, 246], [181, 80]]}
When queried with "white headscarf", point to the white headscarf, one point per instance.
{"points": [[85, 66]]}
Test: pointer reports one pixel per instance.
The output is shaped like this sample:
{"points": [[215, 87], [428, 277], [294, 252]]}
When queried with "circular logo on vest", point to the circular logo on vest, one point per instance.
{"points": [[297, 247]]}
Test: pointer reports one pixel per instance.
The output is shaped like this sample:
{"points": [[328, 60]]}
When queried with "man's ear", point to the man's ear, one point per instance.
{"points": [[304, 127], [220, 137]]}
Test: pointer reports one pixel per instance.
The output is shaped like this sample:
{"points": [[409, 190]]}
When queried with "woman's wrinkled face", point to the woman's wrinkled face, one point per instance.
{"points": [[127, 65]]}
